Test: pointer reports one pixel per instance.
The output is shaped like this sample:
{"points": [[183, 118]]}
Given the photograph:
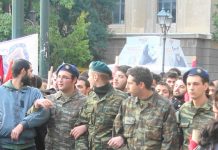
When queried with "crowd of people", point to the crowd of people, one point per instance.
{"points": [[131, 108]]}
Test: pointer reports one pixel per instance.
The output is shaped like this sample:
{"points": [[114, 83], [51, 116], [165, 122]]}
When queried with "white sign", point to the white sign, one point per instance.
{"points": [[25, 47], [148, 50]]}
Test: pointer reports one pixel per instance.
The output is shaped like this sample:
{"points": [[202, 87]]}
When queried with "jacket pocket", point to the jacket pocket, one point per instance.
{"points": [[153, 132], [129, 123]]}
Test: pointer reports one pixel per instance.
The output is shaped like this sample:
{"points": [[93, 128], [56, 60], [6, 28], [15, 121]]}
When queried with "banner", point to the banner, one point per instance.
{"points": [[25, 47], [148, 50]]}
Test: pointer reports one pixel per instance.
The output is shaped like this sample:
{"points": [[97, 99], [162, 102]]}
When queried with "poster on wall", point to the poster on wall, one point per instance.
{"points": [[24, 47], [148, 51]]}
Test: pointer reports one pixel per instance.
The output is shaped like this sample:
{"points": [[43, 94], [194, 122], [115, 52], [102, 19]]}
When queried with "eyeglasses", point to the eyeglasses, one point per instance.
{"points": [[63, 78]]}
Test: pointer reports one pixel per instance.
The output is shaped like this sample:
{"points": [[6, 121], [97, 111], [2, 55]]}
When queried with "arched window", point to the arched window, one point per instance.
{"points": [[168, 5], [118, 12]]}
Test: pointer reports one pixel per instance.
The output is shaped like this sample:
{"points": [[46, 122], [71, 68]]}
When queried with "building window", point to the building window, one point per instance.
{"points": [[118, 12], [168, 5]]}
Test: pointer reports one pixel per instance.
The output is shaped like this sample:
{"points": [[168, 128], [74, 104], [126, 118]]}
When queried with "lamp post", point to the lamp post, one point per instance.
{"points": [[165, 20]]}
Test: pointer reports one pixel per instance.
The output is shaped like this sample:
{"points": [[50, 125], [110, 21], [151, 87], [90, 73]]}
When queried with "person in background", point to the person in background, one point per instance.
{"points": [[120, 78], [83, 85], [212, 90], [146, 120], [170, 78], [179, 92], [176, 70], [163, 89], [17, 126], [156, 78], [194, 115]]}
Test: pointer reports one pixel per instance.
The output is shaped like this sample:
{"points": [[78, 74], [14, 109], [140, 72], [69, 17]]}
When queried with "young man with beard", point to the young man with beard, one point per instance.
{"points": [[179, 91], [17, 97], [146, 121], [100, 109], [195, 114], [120, 78]]}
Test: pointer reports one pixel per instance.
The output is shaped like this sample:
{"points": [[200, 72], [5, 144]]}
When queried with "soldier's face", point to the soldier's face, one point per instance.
{"points": [[81, 86], [120, 80], [195, 87], [65, 81], [132, 87]]}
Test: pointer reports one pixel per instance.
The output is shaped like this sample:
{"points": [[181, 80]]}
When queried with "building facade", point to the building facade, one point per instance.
{"points": [[192, 25]]}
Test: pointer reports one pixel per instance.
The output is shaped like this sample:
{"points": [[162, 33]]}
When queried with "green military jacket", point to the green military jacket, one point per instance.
{"points": [[64, 114], [98, 114], [190, 117], [147, 124]]}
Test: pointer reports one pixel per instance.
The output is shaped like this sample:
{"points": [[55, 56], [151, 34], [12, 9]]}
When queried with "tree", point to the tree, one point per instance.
{"points": [[215, 23]]}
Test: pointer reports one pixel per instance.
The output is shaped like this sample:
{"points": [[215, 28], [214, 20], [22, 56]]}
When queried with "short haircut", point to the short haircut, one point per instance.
{"points": [[175, 70], [18, 65], [156, 77], [141, 74], [171, 75], [87, 84], [123, 68]]}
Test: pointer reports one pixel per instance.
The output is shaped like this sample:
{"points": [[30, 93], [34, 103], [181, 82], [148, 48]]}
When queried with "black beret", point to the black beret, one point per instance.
{"points": [[196, 71], [101, 67], [69, 68]]}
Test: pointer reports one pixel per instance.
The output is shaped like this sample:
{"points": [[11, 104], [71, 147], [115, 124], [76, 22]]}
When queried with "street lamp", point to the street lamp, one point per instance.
{"points": [[165, 20]]}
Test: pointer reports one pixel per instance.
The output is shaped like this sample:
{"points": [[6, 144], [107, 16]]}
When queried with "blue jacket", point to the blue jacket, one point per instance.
{"points": [[14, 105]]}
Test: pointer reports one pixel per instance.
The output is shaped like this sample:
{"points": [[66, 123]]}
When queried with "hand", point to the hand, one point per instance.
{"points": [[45, 103], [116, 142], [15, 133], [78, 131]]}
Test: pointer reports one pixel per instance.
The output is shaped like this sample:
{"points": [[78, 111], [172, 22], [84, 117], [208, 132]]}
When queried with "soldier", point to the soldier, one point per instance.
{"points": [[195, 114], [67, 103], [83, 85], [100, 109], [146, 121]]}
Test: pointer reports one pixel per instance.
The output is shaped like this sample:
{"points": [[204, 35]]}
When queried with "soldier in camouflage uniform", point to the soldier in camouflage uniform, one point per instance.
{"points": [[146, 121], [100, 109], [67, 103], [198, 112]]}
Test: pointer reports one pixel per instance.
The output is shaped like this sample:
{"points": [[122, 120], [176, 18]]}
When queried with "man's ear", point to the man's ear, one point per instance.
{"points": [[23, 71]]}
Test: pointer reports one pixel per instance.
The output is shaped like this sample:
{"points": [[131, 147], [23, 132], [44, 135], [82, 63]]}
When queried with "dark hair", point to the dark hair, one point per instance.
{"points": [[141, 74], [156, 77], [171, 74], [209, 135], [123, 68], [166, 85], [87, 84], [36, 81], [211, 83], [85, 74], [175, 70], [18, 65]]}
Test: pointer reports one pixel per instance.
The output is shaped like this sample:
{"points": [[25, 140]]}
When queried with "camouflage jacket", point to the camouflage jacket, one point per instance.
{"points": [[190, 117], [98, 114], [147, 125], [63, 117]]}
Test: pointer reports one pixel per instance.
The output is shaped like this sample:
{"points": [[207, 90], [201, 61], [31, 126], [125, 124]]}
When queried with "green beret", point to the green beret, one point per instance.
{"points": [[101, 67]]}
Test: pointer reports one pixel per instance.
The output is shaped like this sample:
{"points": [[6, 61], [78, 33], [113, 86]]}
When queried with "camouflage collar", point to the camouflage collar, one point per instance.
{"points": [[207, 106]]}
